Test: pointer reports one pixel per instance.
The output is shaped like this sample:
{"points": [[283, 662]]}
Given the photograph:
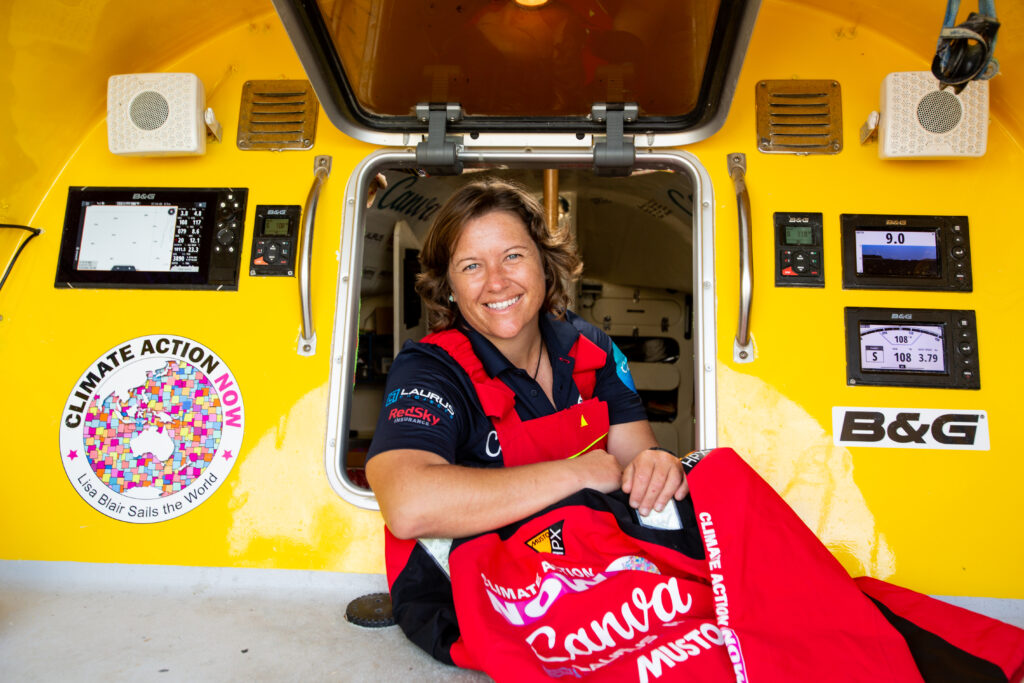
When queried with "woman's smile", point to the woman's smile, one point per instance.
{"points": [[502, 305]]}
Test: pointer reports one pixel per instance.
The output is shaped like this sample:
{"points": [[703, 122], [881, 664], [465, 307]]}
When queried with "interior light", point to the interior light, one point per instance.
{"points": [[531, 3]]}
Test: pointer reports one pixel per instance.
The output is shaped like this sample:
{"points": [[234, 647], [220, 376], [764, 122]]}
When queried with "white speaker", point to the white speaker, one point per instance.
{"points": [[920, 121], [156, 114]]}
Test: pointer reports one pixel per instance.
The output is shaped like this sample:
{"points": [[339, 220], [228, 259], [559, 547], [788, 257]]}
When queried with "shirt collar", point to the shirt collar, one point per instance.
{"points": [[558, 335]]}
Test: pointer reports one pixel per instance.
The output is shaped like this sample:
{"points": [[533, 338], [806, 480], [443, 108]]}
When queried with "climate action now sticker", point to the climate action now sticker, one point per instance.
{"points": [[151, 428]]}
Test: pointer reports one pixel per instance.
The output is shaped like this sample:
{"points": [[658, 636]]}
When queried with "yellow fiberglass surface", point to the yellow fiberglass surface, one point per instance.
{"points": [[938, 521]]}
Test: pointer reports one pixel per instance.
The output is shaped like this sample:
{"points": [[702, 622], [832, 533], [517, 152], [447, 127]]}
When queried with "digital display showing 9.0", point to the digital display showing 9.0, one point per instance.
{"points": [[897, 253], [902, 348]]}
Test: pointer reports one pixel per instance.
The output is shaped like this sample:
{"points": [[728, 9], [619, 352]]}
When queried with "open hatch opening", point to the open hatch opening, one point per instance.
{"points": [[639, 238]]}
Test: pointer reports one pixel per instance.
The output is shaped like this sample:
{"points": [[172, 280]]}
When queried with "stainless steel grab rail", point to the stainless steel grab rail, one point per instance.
{"points": [[743, 345], [307, 336]]}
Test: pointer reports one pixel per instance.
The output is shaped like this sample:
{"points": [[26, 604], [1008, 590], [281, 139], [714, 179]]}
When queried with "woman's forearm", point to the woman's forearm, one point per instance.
{"points": [[422, 495]]}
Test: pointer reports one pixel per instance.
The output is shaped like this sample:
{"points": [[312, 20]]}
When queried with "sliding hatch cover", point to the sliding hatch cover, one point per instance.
{"points": [[521, 66]]}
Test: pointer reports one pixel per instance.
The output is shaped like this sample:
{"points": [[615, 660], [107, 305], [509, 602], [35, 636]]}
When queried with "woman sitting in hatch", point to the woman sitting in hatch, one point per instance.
{"points": [[513, 403]]}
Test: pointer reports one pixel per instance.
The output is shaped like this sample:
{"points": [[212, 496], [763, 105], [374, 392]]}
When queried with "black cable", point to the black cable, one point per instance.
{"points": [[965, 51], [35, 233]]}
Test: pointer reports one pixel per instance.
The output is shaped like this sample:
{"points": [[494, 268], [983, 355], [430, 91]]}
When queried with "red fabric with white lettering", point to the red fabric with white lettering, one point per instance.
{"points": [[795, 610], [531, 616], [582, 590], [769, 604]]}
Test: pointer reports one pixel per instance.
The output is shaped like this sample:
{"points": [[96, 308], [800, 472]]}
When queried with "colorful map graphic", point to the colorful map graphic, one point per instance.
{"points": [[154, 439]]}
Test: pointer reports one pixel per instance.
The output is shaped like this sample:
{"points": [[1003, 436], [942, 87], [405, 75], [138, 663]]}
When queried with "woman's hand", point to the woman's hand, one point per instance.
{"points": [[652, 478], [601, 470]]}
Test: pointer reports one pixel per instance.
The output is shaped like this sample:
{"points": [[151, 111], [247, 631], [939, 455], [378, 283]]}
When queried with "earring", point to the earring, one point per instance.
{"points": [[451, 298]]}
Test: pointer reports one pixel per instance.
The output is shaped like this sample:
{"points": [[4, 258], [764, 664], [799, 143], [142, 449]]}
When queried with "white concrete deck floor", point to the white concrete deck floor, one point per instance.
{"points": [[64, 621]]}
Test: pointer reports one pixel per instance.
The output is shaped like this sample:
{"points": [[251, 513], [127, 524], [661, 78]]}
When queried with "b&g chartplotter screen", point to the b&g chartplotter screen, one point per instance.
{"points": [[166, 238]]}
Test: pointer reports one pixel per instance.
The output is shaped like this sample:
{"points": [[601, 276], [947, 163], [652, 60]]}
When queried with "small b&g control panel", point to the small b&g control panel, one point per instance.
{"points": [[799, 250], [275, 240]]}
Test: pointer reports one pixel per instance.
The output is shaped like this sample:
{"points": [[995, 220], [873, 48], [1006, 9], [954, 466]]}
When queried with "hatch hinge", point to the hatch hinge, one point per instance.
{"points": [[439, 153], [615, 154]]}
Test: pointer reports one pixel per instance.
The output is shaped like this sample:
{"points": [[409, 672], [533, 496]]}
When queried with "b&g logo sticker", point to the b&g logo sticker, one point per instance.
{"points": [[910, 428]]}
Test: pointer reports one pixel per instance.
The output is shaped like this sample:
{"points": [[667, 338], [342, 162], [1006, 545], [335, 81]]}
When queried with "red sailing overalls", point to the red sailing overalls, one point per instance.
{"points": [[564, 434], [734, 612]]}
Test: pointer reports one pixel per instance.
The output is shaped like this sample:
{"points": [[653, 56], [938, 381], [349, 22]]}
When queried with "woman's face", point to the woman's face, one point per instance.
{"points": [[497, 276]]}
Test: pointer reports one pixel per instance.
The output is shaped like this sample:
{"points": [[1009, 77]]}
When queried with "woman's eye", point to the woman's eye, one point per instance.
{"points": [[512, 257], [471, 266]]}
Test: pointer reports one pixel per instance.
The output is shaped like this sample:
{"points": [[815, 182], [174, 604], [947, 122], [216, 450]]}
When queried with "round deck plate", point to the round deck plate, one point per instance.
{"points": [[371, 611]]}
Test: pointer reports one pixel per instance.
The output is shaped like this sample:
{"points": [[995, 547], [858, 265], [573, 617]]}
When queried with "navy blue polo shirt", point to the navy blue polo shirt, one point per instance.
{"points": [[430, 403]]}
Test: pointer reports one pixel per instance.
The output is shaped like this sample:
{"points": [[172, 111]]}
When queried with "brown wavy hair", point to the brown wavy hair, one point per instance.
{"points": [[479, 198]]}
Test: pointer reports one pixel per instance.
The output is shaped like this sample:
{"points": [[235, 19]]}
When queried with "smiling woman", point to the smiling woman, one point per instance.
{"points": [[511, 404]]}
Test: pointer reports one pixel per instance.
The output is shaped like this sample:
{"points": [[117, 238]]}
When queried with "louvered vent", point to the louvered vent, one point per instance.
{"points": [[799, 117], [277, 115]]}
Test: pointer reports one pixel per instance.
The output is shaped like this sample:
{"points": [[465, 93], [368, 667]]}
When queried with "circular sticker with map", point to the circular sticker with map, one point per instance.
{"points": [[151, 428]]}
